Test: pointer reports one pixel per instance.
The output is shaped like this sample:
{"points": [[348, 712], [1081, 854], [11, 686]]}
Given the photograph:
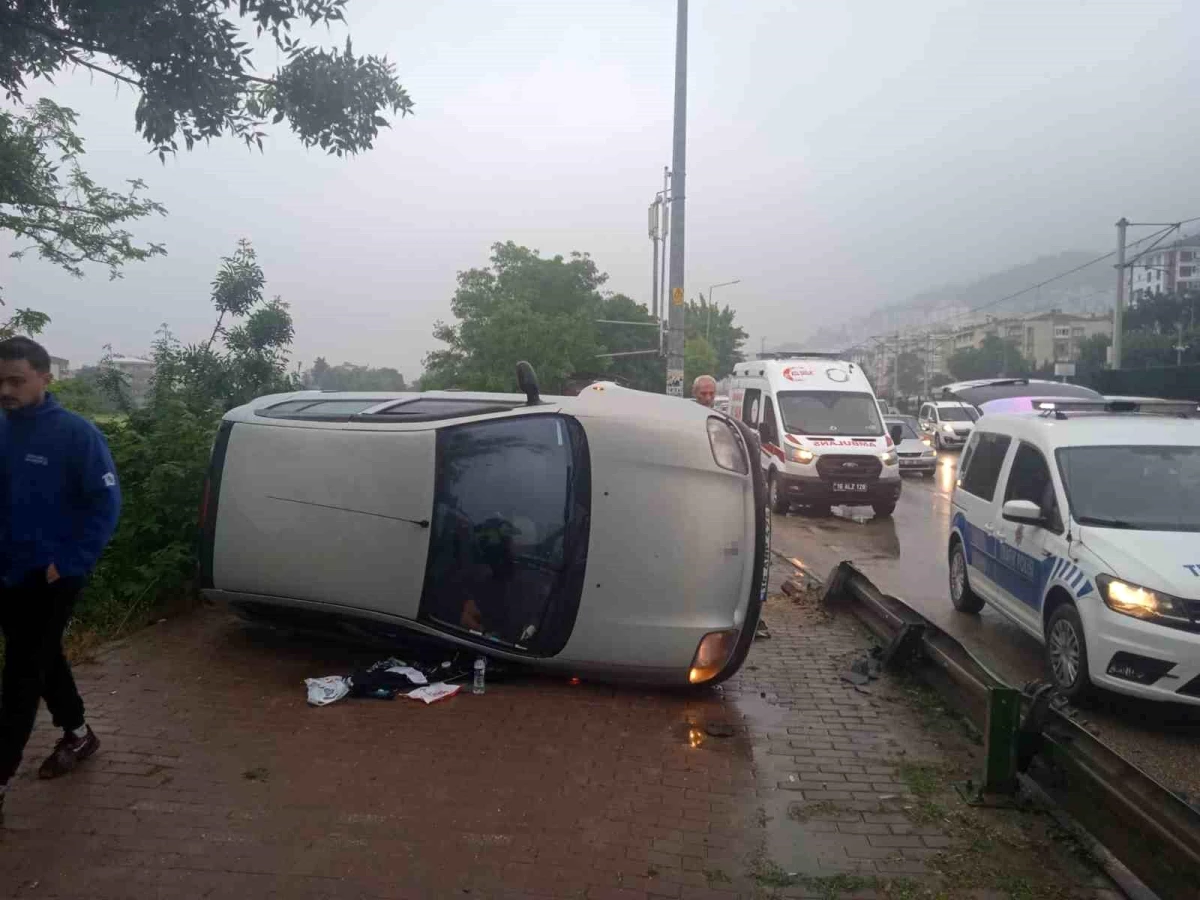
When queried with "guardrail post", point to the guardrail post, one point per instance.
{"points": [[1003, 723]]}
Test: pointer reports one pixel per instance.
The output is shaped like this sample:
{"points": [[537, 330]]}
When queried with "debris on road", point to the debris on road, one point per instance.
{"points": [[865, 667], [326, 690], [432, 693], [389, 678]]}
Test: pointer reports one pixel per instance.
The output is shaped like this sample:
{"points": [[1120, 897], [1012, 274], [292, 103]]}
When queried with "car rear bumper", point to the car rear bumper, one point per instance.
{"points": [[1142, 659], [805, 489]]}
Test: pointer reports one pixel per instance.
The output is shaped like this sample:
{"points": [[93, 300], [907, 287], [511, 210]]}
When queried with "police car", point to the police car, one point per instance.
{"points": [[1080, 523]]}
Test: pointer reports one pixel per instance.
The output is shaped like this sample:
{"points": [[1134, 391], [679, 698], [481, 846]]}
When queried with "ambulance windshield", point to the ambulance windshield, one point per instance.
{"points": [[829, 413]]}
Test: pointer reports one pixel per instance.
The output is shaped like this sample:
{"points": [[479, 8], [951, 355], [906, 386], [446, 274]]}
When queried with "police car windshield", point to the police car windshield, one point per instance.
{"points": [[957, 414], [1144, 488], [829, 412]]}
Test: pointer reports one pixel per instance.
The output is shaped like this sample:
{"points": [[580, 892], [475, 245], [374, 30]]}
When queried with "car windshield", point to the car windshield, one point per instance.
{"points": [[907, 432], [829, 412], [957, 414], [1144, 488]]}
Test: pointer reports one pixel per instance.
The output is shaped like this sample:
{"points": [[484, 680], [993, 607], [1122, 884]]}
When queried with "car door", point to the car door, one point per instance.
{"points": [[1027, 552], [977, 503]]}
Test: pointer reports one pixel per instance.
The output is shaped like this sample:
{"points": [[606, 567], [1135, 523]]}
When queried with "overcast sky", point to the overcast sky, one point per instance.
{"points": [[841, 155]]}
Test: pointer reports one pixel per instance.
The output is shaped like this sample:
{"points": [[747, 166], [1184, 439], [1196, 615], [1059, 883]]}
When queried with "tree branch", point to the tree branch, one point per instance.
{"points": [[103, 71]]}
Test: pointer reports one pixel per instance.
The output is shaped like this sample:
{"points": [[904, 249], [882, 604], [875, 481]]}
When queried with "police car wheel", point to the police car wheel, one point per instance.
{"points": [[779, 503], [961, 595], [1066, 653]]}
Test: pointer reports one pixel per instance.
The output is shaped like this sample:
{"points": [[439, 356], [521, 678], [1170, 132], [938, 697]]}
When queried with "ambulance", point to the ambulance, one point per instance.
{"points": [[823, 440]]}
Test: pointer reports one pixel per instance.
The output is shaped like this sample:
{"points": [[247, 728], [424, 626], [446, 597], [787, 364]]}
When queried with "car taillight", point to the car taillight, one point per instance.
{"points": [[204, 502], [711, 656]]}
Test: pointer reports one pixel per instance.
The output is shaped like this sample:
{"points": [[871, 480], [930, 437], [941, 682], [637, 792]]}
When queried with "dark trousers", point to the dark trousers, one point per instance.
{"points": [[34, 616]]}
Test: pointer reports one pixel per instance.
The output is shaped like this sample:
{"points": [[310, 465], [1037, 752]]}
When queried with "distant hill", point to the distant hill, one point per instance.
{"points": [[1089, 290]]}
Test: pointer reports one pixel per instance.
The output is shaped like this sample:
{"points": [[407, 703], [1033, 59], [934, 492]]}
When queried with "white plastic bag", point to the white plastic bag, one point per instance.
{"points": [[432, 693], [330, 689]]}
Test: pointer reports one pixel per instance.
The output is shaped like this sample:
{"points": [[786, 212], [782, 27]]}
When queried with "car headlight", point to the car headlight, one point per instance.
{"points": [[948, 428], [889, 458], [929, 452], [726, 448], [928, 442], [799, 454], [1143, 603]]}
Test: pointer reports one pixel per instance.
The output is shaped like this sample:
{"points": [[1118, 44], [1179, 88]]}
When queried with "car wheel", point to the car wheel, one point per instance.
{"points": [[883, 510], [961, 595], [937, 442], [779, 503], [1066, 653]]}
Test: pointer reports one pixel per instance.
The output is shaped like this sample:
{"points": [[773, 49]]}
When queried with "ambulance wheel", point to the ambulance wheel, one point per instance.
{"points": [[779, 503]]}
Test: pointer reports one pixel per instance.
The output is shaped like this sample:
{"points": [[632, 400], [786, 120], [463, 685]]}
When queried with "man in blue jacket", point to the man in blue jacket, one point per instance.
{"points": [[59, 502]]}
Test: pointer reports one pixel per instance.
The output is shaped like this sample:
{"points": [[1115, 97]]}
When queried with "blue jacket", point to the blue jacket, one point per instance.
{"points": [[59, 497]]}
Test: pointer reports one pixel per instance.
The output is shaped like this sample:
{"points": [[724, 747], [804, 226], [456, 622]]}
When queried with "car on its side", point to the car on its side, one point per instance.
{"points": [[1083, 527], [617, 534], [914, 449]]}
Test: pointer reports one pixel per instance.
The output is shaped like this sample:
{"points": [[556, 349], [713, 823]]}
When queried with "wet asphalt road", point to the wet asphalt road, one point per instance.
{"points": [[906, 556]]}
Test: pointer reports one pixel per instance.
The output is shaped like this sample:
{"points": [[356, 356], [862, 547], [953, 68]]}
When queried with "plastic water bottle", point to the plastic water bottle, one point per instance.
{"points": [[477, 686]]}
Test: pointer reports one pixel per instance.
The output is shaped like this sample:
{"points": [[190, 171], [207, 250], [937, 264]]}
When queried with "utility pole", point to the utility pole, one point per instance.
{"points": [[654, 238], [663, 235], [1180, 346], [678, 196], [1119, 310]]}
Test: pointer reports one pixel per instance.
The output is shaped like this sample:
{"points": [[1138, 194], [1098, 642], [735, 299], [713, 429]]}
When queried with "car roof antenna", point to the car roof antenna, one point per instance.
{"points": [[528, 384]]}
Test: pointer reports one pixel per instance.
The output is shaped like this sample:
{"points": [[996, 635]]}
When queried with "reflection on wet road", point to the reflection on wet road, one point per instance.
{"points": [[906, 556]]}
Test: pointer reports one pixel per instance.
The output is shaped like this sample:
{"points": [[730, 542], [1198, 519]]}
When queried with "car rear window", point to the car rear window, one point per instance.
{"points": [[319, 409], [509, 536]]}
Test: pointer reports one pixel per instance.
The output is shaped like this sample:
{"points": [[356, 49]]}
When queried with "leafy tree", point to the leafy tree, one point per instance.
{"points": [[715, 324], [161, 449], [349, 377], [993, 357], [28, 322], [522, 306], [699, 358], [195, 76], [644, 372], [907, 372], [52, 206], [1093, 354]]}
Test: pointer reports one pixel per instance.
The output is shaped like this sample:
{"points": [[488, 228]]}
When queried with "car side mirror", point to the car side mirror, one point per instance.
{"points": [[897, 434], [1023, 511]]}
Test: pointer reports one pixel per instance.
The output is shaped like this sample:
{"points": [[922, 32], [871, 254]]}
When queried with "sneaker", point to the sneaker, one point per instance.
{"points": [[69, 752]]}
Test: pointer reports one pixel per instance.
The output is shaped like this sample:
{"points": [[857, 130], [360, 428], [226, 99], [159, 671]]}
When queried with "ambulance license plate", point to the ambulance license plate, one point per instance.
{"points": [[852, 487]]}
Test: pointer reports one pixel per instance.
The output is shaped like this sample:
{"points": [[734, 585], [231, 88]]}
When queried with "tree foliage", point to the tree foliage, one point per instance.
{"points": [[349, 377], [994, 357], [161, 449], [715, 325], [699, 358], [195, 74], [547, 311], [907, 373]]}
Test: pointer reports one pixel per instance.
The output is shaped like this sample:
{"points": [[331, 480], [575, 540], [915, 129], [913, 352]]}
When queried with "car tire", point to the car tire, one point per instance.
{"points": [[937, 442], [885, 509], [964, 599], [779, 503], [1066, 653]]}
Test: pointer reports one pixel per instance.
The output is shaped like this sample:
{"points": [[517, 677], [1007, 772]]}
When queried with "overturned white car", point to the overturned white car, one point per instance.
{"points": [[617, 534]]}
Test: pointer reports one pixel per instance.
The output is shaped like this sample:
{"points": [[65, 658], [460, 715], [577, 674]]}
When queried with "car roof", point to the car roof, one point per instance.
{"points": [[983, 390], [1095, 429]]}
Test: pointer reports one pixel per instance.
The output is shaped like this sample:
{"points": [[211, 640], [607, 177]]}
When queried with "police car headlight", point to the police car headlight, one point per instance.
{"points": [[1142, 603], [889, 458], [726, 448], [799, 455]]}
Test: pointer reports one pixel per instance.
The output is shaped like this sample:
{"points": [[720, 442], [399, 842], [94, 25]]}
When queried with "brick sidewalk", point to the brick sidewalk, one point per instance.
{"points": [[216, 779]]}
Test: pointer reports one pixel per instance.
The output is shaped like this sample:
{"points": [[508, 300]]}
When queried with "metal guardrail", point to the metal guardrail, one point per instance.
{"points": [[1150, 830]]}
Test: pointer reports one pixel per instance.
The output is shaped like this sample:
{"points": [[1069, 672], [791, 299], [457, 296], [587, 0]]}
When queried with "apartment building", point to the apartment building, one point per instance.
{"points": [[1166, 269]]}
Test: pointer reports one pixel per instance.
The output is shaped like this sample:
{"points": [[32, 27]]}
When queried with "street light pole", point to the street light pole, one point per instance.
{"points": [[1119, 309], [654, 238], [711, 288], [678, 197]]}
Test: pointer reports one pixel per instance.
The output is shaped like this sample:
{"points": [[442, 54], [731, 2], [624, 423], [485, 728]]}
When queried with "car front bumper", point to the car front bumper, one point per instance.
{"points": [[812, 489], [1146, 650]]}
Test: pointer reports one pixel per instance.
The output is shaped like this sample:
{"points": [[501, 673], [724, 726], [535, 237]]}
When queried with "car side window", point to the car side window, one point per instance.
{"points": [[925, 412], [982, 470], [750, 407], [1029, 479]]}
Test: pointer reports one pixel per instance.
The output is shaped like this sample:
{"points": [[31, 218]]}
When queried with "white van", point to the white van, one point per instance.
{"points": [[823, 439]]}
